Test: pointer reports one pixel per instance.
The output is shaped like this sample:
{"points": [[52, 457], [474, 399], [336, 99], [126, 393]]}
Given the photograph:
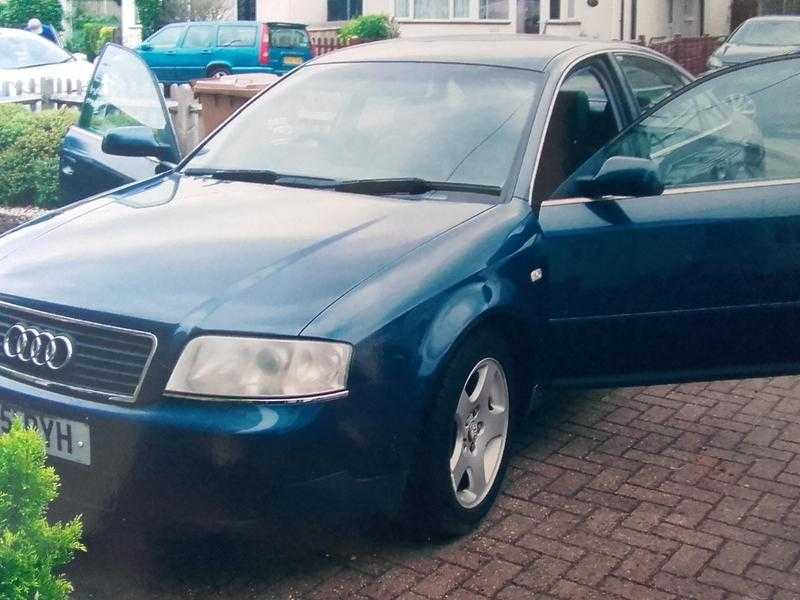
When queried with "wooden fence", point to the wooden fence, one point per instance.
{"points": [[49, 93], [691, 53]]}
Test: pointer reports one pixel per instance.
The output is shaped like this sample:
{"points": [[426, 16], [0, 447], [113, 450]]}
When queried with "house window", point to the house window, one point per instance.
{"points": [[344, 10], [431, 9], [555, 9], [401, 9], [452, 9]]}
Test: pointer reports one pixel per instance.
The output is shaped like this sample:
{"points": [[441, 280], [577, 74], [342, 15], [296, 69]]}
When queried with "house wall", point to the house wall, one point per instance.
{"points": [[603, 21]]}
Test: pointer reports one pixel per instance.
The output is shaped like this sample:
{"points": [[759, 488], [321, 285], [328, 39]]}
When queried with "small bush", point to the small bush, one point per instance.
{"points": [[90, 33], [369, 27], [30, 548], [15, 13], [29, 147]]}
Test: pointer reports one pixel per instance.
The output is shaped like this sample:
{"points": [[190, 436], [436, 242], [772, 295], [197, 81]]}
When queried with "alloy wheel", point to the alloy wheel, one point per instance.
{"points": [[481, 431]]}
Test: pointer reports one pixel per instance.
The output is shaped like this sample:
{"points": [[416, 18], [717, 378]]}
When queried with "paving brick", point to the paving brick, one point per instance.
{"points": [[640, 566], [684, 587], [512, 527], [445, 579], [543, 573], [772, 507], [730, 510], [592, 569], [687, 561], [557, 525], [689, 513], [392, 583], [633, 591], [602, 521], [492, 577], [734, 557], [734, 583], [779, 554], [689, 536]]}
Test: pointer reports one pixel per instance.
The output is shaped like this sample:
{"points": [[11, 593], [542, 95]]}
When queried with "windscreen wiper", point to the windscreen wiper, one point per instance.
{"points": [[249, 175], [411, 185], [262, 176]]}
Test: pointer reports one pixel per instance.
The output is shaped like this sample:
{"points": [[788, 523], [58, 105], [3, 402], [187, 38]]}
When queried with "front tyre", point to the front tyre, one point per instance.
{"points": [[464, 447]]}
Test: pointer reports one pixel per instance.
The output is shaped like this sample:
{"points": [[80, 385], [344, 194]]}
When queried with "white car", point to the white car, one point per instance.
{"points": [[25, 56]]}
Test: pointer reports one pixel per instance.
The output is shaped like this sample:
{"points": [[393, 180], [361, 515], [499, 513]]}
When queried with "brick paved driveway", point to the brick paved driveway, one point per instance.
{"points": [[686, 491], [689, 491]]}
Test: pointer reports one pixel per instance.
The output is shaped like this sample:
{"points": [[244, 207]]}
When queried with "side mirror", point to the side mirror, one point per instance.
{"points": [[135, 141], [623, 176], [146, 47]]}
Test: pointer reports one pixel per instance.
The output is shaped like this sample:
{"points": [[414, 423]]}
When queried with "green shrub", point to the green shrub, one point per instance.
{"points": [[15, 13], [30, 548], [369, 27], [149, 16], [90, 33], [29, 147]]}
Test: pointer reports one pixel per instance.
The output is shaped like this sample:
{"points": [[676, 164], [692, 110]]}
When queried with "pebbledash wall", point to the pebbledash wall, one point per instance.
{"points": [[598, 19]]}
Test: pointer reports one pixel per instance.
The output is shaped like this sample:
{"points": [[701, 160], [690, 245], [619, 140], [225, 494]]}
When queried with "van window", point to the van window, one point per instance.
{"points": [[283, 37], [236, 36], [199, 36], [167, 37]]}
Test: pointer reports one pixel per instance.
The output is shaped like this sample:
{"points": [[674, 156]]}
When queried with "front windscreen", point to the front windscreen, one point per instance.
{"points": [[438, 122]]}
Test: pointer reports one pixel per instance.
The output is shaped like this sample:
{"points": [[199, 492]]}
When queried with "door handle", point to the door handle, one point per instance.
{"points": [[68, 170]]}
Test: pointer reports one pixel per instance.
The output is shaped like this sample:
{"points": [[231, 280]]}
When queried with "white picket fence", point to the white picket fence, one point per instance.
{"points": [[49, 93]]}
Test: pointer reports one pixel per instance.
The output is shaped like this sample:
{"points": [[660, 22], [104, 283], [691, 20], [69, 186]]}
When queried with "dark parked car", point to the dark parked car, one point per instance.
{"points": [[759, 37], [352, 300], [182, 52]]}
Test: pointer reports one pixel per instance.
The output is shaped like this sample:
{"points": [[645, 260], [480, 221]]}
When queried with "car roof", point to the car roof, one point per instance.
{"points": [[10, 31], [523, 51], [270, 23], [775, 18]]}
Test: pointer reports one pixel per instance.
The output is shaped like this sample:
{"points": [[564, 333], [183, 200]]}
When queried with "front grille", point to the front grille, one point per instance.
{"points": [[107, 361]]}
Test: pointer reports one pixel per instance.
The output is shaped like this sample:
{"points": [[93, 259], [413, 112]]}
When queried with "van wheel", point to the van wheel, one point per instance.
{"points": [[214, 72], [465, 444]]}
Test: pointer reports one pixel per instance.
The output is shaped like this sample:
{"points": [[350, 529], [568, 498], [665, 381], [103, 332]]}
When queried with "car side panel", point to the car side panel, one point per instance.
{"points": [[431, 300]]}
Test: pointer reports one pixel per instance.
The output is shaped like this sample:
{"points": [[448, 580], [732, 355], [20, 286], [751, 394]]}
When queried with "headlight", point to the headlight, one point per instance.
{"points": [[224, 368], [714, 62]]}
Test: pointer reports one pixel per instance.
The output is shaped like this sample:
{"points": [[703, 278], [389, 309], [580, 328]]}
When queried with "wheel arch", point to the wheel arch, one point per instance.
{"points": [[218, 64]]}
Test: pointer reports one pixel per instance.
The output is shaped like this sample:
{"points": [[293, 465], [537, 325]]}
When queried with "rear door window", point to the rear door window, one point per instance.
{"points": [[285, 37], [199, 36], [236, 36]]}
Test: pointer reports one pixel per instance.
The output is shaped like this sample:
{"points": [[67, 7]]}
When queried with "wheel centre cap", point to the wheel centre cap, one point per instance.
{"points": [[473, 429]]}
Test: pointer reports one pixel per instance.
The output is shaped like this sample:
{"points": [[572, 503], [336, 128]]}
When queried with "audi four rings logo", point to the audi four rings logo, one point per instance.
{"points": [[38, 347]]}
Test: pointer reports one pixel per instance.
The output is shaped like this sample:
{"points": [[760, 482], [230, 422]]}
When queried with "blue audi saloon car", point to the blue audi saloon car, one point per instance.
{"points": [[355, 289]]}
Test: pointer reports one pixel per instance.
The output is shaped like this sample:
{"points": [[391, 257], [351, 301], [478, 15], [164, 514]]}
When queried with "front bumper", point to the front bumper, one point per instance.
{"points": [[215, 464]]}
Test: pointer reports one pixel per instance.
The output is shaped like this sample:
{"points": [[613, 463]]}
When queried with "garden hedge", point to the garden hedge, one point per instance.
{"points": [[30, 144]]}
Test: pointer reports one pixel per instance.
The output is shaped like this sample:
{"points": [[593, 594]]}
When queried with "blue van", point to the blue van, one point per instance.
{"points": [[182, 52]]}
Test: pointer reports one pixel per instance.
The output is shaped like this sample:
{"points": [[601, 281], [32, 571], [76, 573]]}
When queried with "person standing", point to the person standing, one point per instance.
{"points": [[46, 31]]}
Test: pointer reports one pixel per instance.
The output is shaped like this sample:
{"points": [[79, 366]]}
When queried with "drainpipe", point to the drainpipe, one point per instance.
{"points": [[622, 20]]}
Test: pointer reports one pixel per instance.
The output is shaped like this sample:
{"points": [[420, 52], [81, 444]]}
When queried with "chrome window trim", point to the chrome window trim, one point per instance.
{"points": [[715, 187], [567, 70], [55, 385]]}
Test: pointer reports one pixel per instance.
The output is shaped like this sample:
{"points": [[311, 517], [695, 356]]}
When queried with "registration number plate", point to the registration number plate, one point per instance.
{"points": [[292, 60], [65, 439]]}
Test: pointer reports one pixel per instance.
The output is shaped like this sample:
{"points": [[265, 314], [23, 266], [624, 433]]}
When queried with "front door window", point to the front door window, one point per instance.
{"points": [[739, 126], [583, 120]]}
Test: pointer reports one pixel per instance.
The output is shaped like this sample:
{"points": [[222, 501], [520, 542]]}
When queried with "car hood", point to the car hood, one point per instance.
{"points": [[216, 255], [733, 54], [77, 70]]}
